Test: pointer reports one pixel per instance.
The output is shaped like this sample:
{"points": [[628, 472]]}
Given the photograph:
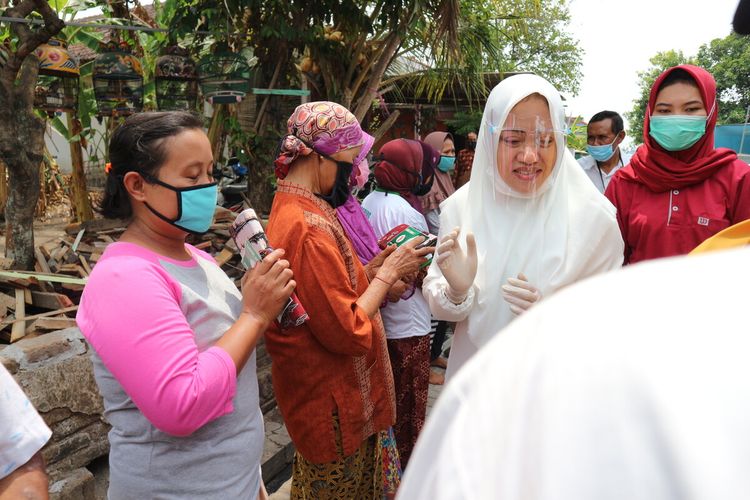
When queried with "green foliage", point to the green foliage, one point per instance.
{"points": [[576, 137], [535, 38], [464, 122], [503, 36], [660, 62], [728, 59]]}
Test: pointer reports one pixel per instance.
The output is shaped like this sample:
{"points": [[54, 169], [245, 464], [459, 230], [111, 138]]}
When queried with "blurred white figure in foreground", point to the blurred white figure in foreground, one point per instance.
{"points": [[631, 385]]}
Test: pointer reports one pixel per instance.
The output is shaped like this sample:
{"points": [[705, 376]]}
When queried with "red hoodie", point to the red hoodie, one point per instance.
{"points": [[670, 202]]}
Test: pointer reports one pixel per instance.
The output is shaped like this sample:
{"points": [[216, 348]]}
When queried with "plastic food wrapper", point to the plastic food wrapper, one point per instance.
{"points": [[253, 246]]}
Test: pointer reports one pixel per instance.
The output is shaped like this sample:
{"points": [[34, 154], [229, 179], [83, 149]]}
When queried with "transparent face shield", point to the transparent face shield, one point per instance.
{"points": [[526, 153]]}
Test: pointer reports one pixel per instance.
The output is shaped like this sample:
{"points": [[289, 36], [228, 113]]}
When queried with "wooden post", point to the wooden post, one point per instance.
{"points": [[78, 189], [3, 186], [216, 131], [18, 329], [41, 204]]}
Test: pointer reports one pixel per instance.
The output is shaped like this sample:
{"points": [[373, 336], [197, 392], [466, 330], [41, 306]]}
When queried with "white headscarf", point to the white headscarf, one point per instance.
{"points": [[562, 232]]}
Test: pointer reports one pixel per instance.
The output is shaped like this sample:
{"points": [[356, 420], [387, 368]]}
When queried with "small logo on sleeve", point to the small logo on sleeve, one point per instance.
{"points": [[703, 221]]}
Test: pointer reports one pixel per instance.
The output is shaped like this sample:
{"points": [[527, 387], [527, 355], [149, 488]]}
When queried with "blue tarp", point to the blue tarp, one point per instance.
{"points": [[730, 136]]}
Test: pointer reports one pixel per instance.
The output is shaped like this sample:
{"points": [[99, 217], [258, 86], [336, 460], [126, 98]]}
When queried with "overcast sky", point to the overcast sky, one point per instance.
{"points": [[620, 36]]}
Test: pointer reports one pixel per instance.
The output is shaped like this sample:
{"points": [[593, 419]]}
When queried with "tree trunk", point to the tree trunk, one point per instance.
{"points": [[23, 193], [22, 140], [260, 189], [21, 132], [79, 191], [365, 102]]}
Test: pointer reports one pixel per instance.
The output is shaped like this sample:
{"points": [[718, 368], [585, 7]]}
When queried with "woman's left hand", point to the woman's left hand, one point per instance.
{"points": [[520, 294]]}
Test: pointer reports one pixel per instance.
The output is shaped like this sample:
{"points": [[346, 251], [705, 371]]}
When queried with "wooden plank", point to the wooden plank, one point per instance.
{"points": [[15, 277], [96, 225], [61, 255], [43, 249], [17, 280], [7, 301], [81, 271], [84, 264], [43, 267], [224, 257], [85, 248], [72, 287], [78, 239], [203, 245], [50, 324], [18, 330], [40, 315], [52, 301]]}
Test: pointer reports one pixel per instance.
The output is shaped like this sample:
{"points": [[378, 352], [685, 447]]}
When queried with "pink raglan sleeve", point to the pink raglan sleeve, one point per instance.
{"points": [[130, 314]]}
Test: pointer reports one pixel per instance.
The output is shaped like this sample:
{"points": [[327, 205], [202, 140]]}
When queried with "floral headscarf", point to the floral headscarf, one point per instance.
{"points": [[324, 127]]}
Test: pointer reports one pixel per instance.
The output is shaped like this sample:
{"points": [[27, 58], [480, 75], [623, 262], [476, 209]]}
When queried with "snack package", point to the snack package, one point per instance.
{"points": [[403, 233]]}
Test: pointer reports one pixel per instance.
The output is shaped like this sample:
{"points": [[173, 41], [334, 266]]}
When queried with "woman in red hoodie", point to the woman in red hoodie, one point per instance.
{"points": [[678, 190]]}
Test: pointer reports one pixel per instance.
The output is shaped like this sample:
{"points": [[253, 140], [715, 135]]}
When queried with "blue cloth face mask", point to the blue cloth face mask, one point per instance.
{"points": [[195, 205], [447, 163], [677, 132], [602, 153]]}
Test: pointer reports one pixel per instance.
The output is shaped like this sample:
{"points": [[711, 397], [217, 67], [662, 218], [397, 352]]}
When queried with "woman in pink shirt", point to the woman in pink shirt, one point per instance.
{"points": [[173, 337], [678, 190]]}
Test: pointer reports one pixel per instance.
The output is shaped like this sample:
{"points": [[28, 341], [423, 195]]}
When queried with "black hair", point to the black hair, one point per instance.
{"points": [[741, 20], [138, 146], [678, 75], [617, 125]]}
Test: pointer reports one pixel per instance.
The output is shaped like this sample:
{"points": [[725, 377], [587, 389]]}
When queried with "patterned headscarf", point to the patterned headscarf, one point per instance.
{"points": [[324, 127]]}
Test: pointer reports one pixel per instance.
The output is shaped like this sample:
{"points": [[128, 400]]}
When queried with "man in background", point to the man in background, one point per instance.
{"points": [[605, 133]]}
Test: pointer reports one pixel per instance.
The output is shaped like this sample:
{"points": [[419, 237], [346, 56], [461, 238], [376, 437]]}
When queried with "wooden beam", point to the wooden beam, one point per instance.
{"points": [[28, 278], [50, 324], [52, 301], [40, 315]]}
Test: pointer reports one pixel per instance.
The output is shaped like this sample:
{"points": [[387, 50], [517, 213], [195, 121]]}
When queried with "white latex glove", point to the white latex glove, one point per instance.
{"points": [[520, 294], [458, 267]]}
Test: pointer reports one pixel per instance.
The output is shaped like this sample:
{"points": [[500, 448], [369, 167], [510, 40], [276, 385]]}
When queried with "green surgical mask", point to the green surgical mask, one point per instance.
{"points": [[677, 132]]}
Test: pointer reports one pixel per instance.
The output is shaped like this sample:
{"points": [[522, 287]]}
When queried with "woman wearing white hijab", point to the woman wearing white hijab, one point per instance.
{"points": [[538, 222]]}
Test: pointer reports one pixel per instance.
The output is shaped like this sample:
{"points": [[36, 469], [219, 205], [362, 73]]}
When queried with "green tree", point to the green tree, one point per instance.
{"points": [[728, 59], [503, 36], [660, 62], [340, 49], [539, 43]]}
